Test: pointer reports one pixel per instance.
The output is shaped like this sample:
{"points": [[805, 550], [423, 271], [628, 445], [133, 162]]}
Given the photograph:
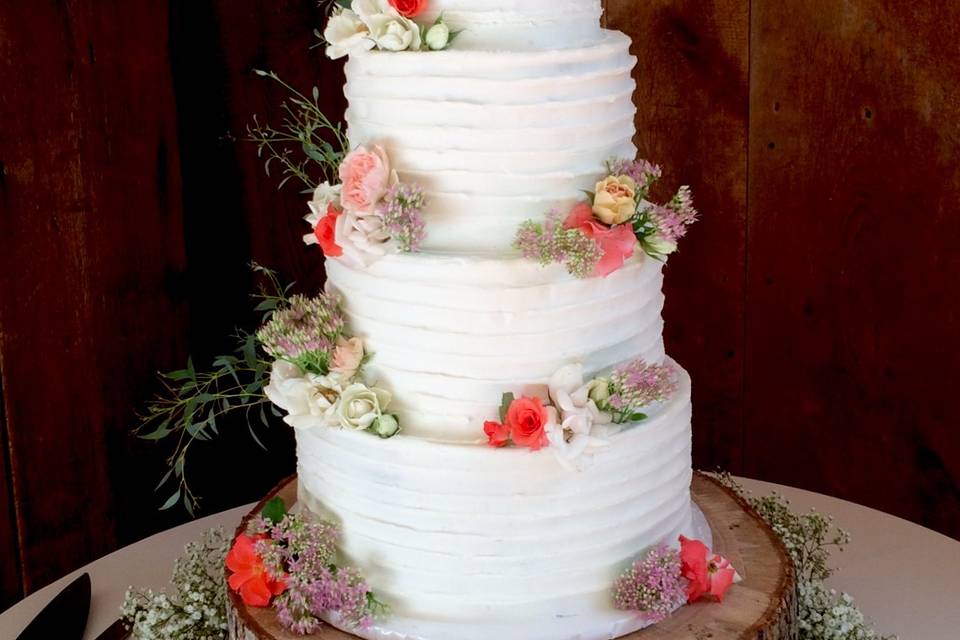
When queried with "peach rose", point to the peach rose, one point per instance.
{"points": [[527, 419], [347, 357], [617, 243], [615, 202], [365, 176]]}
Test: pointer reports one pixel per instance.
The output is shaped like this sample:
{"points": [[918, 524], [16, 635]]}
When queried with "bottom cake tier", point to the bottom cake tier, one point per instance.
{"points": [[456, 536]]}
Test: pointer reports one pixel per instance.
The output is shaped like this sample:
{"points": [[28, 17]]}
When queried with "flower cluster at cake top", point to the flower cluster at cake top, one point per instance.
{"points": [[575, 416], [387, 25], [596, 237], [369, 214], [318, 369], [665, 579], [289, 562]]}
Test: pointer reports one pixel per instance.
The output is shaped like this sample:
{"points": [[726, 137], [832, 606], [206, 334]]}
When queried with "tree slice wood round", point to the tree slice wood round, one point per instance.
{"points": [[762, 607]]}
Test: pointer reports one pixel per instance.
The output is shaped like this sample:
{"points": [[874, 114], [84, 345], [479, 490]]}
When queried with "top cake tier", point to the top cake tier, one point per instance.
{"points": [[518, 25]]}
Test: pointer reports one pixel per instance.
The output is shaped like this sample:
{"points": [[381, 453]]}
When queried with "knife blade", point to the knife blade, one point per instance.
{"points": [[117, 631], [64, 617]]}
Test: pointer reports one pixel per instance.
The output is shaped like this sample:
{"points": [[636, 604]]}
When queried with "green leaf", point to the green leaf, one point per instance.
{"points": [[274, 510], [253, 435], [160, 432], [505, 403], [163, 480], [637, 417], [172, 500], [250, 351]]}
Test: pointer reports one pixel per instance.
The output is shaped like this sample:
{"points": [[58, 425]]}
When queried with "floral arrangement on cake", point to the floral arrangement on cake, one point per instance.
{"points": [[665, 579], [574, 416], [597, 236], [368, 213], [289, 562], [313, 367], [387, 25]]}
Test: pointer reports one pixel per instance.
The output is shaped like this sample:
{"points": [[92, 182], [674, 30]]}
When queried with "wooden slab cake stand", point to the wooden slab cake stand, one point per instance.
{"points": [[762, 607]]}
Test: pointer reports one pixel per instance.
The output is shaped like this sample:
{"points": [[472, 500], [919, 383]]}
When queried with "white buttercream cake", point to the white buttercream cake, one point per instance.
{"points": [[460, 539]]}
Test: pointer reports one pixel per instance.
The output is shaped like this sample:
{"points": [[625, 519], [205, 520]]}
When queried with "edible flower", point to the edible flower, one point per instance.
{"points": [[249, 576], [706, 575]]}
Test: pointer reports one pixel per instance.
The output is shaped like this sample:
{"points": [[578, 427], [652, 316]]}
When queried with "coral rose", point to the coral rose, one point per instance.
{"points": [[617, 243], [347, 357], [326, 233], [528, 419], [615, 200], [705, 575], [365, 176], [249, 576], [409, 8], [498, 435]]}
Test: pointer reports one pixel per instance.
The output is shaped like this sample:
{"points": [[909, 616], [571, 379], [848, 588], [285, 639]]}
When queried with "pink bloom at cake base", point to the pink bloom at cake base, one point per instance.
{"points": [[249, 576], [617, 242], [365, 176], [409, 8], [711, 576]]}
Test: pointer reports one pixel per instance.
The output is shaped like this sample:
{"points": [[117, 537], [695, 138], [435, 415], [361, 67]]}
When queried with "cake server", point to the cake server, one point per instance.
{"points": [[64, 617]]}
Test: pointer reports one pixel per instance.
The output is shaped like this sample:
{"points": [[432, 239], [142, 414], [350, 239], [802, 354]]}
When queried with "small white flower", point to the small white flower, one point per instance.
{"points": [[360, 406], [394, 32], [362, 236], [438, 37], [345, 34], [581, 424]]}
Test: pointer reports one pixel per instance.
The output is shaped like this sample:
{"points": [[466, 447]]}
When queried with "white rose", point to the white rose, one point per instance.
{"points": [[393, 32], [324, 397], [360, 406], [346, 33], [288, 388], [362, 236]]}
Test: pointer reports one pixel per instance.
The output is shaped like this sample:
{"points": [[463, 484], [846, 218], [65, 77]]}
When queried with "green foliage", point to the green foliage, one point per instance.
{"points": [[810, 539], [192, 402], [274, 510], [307, 139]]}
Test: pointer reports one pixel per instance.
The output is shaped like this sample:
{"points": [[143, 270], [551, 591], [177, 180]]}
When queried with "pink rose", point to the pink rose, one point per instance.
{"points": [[347, 356], [409, 8], [617, 242], [365, 176], [498, 435], [527, 419], [704, 575]]}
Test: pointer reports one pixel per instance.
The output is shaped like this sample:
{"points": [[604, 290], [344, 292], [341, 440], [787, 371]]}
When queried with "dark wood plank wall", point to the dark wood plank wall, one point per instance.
{"points": [[815, 305]]}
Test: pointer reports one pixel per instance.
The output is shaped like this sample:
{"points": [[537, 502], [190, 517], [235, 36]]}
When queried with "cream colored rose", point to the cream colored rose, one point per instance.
{"points": [[393, 32], [346, 33], [361, 406], [615, 202], [304, 395]]}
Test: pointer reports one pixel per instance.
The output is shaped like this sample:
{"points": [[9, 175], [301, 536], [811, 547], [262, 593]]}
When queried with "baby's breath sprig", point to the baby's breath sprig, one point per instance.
{"points": [[195, 608], [810, 538], [307, 139]]}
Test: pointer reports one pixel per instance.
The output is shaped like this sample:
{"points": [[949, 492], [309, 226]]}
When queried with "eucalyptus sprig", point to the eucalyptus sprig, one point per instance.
{"points": [[186, 411], [307, 139]]}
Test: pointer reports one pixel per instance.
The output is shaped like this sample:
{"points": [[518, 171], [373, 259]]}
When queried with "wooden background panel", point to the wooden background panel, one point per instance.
{"points": [[89, 275], [10, 589], [852, 319], [692, 100]]}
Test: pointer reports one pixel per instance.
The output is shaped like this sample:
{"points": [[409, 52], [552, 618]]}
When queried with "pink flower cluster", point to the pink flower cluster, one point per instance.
{"points": [[401, 209], [638, 384], [304, 331], [653, 585], [643, 172], [673, 218]]}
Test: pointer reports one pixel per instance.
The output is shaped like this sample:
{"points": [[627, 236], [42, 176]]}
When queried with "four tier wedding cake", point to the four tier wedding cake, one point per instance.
{"points": [[495, 263]]}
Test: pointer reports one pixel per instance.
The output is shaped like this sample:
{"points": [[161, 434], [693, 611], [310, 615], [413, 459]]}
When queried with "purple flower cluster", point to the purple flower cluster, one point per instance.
{"points": [[653, 585], [673, 218], [643, 172], [637, 384], [550, 242], [303, 554], [402, 211], [304, 331]]}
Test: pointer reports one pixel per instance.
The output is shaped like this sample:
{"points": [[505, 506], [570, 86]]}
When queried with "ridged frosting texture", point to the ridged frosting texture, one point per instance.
{"points": [[449, 335], [465, 533], [495, 138], [518, 24]]}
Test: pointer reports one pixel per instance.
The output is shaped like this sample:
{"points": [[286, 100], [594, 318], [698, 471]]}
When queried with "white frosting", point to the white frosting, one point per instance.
{"points": [[449, 335], [495, 138], [465, 533], [517, 24]]}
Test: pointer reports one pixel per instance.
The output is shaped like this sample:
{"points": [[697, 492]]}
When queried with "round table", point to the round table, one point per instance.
{"points": [[901, 574]]}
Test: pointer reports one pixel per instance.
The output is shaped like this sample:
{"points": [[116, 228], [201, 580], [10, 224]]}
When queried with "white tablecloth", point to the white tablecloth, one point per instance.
{"points": [[903, 576]]}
